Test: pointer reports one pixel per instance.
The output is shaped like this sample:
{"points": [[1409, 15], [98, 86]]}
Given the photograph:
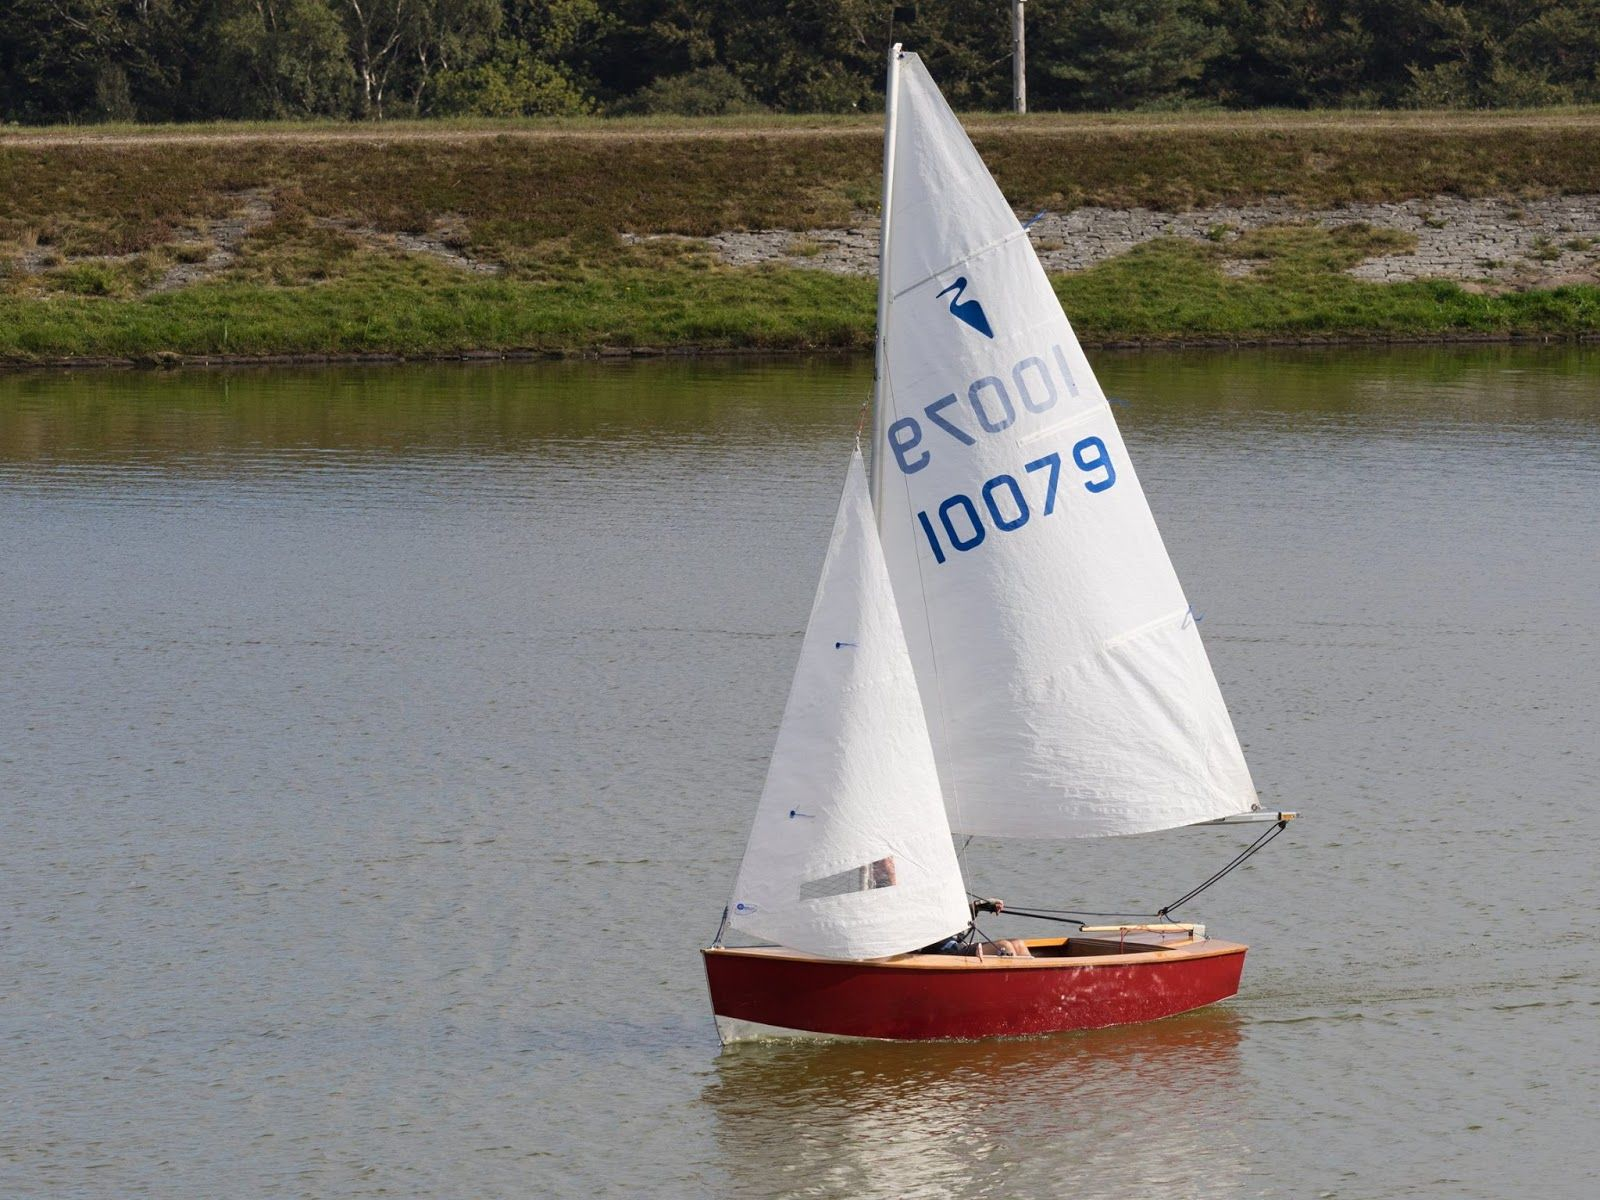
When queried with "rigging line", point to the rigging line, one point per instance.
{"points": [[1040, 913], [1078, 912], [1166, 911], [717, 941], [1039, 916], [1045, 914], [1053, 914]]}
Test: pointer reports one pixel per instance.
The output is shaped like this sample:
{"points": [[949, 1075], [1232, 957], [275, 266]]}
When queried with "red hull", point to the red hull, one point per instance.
{"points": [[757, 992]]}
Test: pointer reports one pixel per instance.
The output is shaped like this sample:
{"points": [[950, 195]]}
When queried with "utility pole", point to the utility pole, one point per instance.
{"points": [[1019, 60]]}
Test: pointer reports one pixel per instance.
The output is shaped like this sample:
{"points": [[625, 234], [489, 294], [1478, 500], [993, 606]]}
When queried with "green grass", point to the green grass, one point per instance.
{"points": [[90, 221], [1170, 290], [415, 309]]}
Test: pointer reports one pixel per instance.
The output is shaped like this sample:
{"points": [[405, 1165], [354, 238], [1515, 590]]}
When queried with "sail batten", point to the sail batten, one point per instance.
{"points": [[948, 267], [1066, 689]]}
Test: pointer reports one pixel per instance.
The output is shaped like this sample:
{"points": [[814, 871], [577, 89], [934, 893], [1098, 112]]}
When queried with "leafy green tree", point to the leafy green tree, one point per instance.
{"points": [[802, 55], [704, 92], [1563, 40], [91, 59], [529, 67], [1297, 53], [805, 55], [967, 46], [1125, 53], [510, 88], [1493, 53], [180, 59], [645, 40], [375, 31], [448, 36], [281, 58]]}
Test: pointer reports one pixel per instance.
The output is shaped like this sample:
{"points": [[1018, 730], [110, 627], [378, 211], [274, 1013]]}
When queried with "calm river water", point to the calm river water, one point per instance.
{"points": [[377, 748]]}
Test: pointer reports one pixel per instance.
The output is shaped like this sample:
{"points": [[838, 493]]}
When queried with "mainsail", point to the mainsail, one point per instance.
{"points": [[1066, 690], [851, 855]]}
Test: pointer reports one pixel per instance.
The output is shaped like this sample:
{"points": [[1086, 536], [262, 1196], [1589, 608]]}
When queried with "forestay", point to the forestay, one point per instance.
{"points": [[1066, 689], [851, 855]]}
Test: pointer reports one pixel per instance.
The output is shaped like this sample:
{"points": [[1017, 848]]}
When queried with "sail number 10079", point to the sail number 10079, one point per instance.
{"points": [[1004, 501]]}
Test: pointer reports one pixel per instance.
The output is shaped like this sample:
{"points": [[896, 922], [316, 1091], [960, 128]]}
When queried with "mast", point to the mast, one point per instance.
{"points": [[891, 95]]}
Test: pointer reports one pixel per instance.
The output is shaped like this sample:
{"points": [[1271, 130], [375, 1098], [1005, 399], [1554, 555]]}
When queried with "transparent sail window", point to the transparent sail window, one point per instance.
{"points": [[876, 874]]}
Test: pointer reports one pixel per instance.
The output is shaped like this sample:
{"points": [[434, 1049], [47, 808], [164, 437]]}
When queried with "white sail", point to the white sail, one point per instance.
{"points": [[1066, 689], [851, 855]]}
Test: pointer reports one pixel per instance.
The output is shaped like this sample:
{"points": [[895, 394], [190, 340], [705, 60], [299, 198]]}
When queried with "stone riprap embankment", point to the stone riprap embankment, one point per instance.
{"points": [[1488, 243]]}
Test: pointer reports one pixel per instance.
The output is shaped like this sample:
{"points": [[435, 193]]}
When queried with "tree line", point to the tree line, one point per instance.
{"points": [[180, 60]]}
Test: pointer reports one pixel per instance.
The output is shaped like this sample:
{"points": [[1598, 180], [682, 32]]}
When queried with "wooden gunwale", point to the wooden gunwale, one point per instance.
{"points": [[1191, 948]]}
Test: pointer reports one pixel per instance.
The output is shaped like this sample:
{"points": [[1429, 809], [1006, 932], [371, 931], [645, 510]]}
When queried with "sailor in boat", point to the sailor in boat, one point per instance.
{"points": [[964, 941]]}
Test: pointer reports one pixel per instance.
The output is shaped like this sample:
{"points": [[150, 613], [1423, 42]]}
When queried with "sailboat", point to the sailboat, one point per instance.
{"points": [[998, 646]]}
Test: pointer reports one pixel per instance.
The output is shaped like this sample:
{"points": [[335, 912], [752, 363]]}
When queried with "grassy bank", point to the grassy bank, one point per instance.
{"points": [[440, 240]]}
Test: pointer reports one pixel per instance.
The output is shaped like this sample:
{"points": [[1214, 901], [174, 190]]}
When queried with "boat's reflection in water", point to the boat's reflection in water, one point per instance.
{"points": [[1115, 1112]]}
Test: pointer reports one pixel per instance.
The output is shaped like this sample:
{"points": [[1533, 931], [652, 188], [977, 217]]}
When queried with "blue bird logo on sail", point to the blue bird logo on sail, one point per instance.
{"points": [[968, 311]]}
